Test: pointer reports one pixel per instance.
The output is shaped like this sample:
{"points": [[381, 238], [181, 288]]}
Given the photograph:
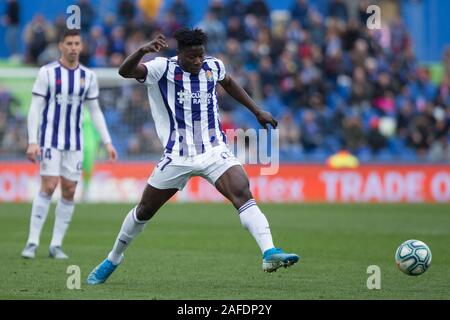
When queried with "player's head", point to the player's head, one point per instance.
{"points": [[191, 48], [70, 45]]}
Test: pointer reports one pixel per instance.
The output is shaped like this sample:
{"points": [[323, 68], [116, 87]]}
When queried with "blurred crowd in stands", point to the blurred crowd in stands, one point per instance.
{"points": [[331, 82]]}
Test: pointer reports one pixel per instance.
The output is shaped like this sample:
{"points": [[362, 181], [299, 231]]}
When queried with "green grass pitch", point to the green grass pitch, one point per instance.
{"points": [[201, 251]]}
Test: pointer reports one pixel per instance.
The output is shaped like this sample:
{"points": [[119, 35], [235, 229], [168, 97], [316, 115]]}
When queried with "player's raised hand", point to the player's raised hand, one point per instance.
{"points": [[265, 118], [112, 153], [33, 151], [155, 45]]}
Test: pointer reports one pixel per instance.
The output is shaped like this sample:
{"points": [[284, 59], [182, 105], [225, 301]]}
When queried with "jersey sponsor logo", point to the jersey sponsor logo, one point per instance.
{"points": [[194, 97], [71, 99]]}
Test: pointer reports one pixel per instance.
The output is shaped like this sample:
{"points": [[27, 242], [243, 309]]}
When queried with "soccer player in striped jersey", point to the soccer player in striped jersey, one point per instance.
{"points": [[183, 102], [55, 137]]}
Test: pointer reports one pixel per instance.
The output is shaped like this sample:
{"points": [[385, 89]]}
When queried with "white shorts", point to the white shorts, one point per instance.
{"points": [[174, 171], [65, 163]]}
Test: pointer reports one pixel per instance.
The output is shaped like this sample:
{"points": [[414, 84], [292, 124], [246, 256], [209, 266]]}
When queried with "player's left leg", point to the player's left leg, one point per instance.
{"points": [[63, 216], [71, 170], [234, 185]]}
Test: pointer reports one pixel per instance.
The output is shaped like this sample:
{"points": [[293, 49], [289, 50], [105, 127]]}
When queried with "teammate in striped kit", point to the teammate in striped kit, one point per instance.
{"points": [[183, 102], [55, 137]]}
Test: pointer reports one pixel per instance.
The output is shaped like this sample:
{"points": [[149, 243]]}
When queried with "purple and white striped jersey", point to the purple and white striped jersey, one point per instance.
{"points": [[64, 91], [184, 106]]}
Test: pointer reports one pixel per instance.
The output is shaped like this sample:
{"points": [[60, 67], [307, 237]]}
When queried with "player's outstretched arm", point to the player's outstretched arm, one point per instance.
{"points": [[238, 93], [131, 67]]}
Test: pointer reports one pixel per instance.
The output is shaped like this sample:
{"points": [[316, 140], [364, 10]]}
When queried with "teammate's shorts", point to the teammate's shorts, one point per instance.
{"points": [[173, 172], [65, 163]]}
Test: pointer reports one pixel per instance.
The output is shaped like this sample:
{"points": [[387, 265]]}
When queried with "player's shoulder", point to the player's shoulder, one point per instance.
{"points": [[162, 59], [213, 59], [214, 62], [158, 64], [49, 66], [87, 71], [158, 60], [44, 72]]}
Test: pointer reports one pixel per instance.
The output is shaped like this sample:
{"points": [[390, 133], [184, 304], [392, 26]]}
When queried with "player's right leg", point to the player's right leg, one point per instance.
{"points": [[152, 199], [50, 167], [39, 212], [169, 176], [234, 185]]}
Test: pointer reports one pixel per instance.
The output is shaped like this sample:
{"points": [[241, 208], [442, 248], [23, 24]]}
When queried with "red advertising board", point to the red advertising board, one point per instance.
{"points": [[124, 182]]}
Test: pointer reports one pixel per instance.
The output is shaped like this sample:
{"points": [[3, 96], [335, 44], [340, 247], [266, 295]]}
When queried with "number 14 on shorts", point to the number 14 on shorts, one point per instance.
{"points": [[46, 153]]}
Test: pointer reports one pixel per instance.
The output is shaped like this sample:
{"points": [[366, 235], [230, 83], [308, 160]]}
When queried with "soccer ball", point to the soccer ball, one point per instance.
{"points": [[413, 257]]}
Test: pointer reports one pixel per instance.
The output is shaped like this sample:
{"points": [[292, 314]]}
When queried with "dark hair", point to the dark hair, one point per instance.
{"points": [[69, 33], [188, 38]]}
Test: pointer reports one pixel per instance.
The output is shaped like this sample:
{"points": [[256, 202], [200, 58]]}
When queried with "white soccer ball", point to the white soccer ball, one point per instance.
{"points": [[413, 257]]}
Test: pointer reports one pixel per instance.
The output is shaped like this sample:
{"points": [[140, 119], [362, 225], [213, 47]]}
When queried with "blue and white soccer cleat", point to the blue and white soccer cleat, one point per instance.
{"points": [[275, 258], [102, 272]]}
